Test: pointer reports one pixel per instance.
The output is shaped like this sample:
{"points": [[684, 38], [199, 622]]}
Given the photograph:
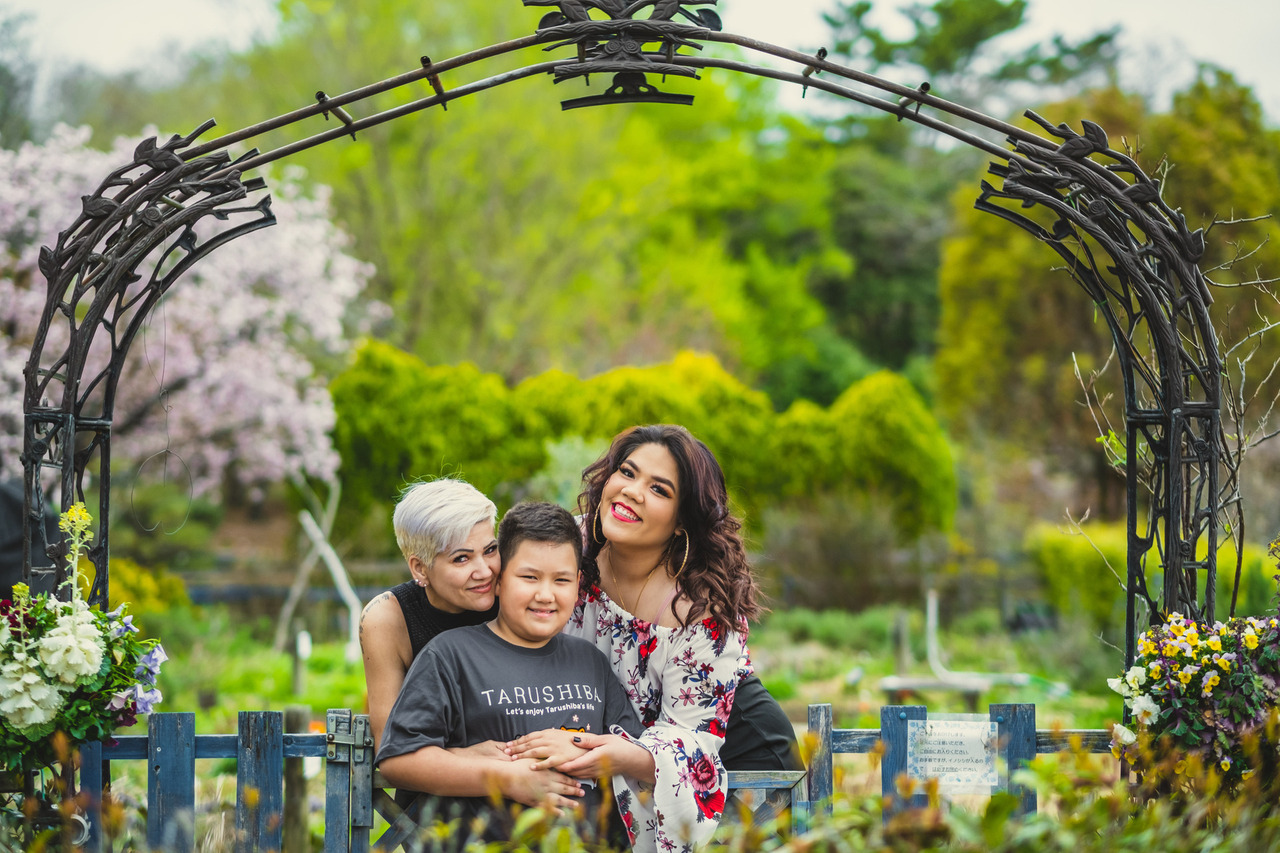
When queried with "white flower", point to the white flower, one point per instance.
{"points": [[1119, 686], [28, 699], [73, 649], [1145, 710], [1123, 736], [1136, 677]]}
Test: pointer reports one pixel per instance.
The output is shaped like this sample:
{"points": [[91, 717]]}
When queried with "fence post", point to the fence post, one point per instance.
{"points": [[91, 792], [820, 782], [171, 781], [337, 782], [1017, 749], [893, 731], [297, 718], [260, 781], [362, 756]]}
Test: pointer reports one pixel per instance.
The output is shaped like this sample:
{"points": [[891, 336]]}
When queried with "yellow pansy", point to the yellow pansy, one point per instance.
{"points": [[1215, 643]]}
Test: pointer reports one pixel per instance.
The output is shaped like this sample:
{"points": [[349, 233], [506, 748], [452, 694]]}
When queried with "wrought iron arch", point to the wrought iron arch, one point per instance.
{"points": [[1133, 255]]}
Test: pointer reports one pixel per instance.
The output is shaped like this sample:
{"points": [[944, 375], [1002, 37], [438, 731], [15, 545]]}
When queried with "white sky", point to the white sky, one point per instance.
{"points": [[1161, 38]]}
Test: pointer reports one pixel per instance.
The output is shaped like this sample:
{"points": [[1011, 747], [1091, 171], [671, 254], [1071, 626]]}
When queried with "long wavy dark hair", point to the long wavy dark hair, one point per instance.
{"points": [[717, 579]]}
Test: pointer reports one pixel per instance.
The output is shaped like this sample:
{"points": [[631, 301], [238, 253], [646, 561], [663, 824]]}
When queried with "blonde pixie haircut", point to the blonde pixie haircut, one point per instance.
{"points": [[438, 514]]}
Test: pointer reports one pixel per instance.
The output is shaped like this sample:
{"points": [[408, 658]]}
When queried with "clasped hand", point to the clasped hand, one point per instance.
{"points": [[583, 755]]}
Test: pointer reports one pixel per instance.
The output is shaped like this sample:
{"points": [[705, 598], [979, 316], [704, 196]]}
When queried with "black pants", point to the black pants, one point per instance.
{"points": [[759, 736]]}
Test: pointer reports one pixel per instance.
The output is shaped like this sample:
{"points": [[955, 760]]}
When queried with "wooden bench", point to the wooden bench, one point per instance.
{"points": [[900, 688], [355, 792]]}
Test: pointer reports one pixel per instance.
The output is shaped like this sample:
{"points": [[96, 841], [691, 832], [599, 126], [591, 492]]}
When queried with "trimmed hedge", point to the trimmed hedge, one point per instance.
{"points": [[400, 420]]}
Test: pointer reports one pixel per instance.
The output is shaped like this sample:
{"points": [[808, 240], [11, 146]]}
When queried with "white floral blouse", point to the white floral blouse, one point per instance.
{"points": [[681, 683]]}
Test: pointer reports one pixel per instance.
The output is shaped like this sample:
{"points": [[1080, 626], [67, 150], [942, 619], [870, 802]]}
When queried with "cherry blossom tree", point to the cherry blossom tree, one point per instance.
{"points": [[227, 380]]}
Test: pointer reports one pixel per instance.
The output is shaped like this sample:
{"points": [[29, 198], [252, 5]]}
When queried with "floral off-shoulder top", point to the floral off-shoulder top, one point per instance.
{"points": [[681, 682]]}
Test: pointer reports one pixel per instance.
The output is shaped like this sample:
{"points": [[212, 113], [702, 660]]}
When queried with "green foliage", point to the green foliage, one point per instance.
{"points": [[870, 630], [400, 419], [1083, 572], [17, 80], [560, 480], [1014, 325], [877, 439], [583, 239], [889, 444], [889, 212], [960, 47], [1257, 591], [148, 592], [160, 524]]}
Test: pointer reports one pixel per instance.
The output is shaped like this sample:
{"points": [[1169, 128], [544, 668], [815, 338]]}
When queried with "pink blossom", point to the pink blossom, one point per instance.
{"points": [[221, 373]]}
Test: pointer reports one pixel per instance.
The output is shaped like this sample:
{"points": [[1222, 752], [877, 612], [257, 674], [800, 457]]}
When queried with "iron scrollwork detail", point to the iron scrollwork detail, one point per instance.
{"points": [[135, 236], [616, 45], [1156, 303]]}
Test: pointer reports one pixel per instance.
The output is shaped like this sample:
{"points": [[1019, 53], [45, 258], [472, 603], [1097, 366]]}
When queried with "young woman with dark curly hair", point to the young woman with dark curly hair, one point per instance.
{"points": [[667, 594]]}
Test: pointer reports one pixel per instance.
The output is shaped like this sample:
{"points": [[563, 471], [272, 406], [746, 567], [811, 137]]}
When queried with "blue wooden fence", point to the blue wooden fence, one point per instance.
{"points": [[354, 792]]}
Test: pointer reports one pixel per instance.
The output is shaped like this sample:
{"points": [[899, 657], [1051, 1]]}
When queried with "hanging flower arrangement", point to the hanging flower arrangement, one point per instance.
{"points": [[68, 667], [1203, 697]]}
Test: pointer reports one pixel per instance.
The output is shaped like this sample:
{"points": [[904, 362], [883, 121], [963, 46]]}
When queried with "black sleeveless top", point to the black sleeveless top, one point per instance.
{"points": [[425, 621]]}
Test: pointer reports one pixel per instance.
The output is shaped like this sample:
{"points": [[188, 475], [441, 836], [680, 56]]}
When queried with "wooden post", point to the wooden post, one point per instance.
{"points": [[171, 781], [902, 638], [1017, 749], [260, 781], [91, 789], [297, 718], [821, 766], [337, 784], [893, 731]]}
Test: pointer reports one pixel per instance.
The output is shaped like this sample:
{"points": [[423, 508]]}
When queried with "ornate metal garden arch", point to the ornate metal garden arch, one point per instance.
{"points": [[1134, 256]]}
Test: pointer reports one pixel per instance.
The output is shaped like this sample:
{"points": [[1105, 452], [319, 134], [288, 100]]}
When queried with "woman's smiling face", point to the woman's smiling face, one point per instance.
{"points": [[462, 576], [640, 503]]}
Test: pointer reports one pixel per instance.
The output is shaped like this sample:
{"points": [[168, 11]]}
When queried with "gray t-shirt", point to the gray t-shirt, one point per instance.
{"points": [[469, 685]]}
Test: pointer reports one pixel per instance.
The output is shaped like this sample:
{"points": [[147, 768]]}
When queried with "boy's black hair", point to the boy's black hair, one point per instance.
{"points": [[538, 521]]}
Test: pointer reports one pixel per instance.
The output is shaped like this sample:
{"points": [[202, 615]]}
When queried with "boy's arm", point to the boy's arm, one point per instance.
{"points": [[438, 771]]}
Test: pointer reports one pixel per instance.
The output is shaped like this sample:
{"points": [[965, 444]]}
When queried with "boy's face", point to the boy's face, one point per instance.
{"points": [[537, 590]]}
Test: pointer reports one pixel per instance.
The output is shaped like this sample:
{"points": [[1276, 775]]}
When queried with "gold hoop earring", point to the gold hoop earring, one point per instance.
{"points": [[594, 522], [685, 561]]}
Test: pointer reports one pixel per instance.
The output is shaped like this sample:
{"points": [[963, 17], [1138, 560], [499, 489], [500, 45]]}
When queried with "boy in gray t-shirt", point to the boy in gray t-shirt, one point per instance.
{"points": [[515, 675]]}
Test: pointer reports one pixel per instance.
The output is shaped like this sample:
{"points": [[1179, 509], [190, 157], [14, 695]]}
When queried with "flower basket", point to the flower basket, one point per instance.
{"points": [[68, 668], [1204, 700]]}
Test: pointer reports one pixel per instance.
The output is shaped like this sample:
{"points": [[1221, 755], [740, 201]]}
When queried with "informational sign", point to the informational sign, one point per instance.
{"points": [[959, 750]]}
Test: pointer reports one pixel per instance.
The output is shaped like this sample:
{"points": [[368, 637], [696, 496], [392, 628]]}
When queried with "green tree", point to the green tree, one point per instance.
{"points": [[400, 419], [951, 46], [17, 81], [890, 185], [513, 234], [1014, 325]]}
